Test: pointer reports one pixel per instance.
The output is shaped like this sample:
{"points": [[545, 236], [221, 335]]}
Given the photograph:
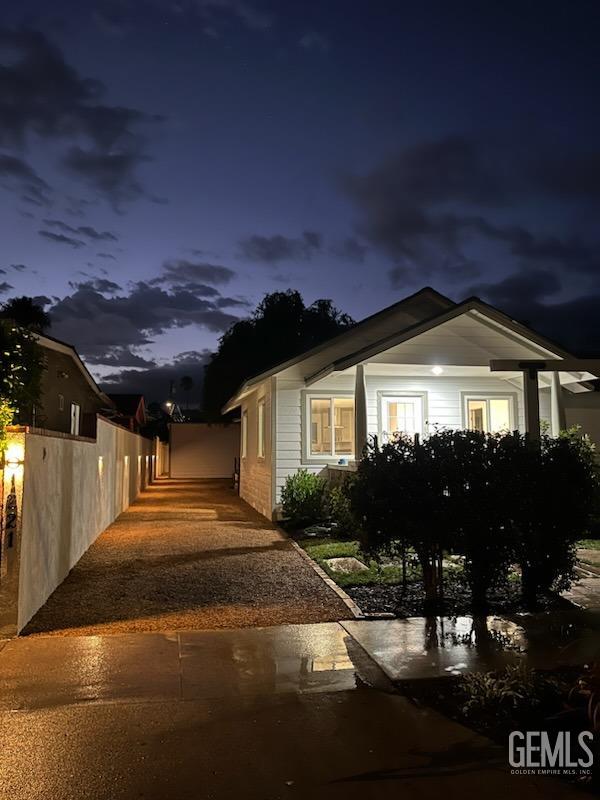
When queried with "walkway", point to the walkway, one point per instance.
{"points": [[285, 712], [187, 555]]}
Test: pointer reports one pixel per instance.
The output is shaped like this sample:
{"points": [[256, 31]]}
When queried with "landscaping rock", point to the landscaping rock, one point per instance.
{"points": [[346, 566]]}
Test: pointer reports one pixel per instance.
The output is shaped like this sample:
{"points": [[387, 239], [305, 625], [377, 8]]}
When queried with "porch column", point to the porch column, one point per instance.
{"points": [[531, 401], [360, 412], [557, 405]]}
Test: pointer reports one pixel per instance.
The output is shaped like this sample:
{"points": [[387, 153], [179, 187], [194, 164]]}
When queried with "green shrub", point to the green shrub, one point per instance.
{"points": [[513, 693], [303, 499], [340, 511]]}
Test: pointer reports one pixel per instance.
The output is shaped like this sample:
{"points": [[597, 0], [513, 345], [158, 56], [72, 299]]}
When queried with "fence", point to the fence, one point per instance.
{"points": [[59, 493]]}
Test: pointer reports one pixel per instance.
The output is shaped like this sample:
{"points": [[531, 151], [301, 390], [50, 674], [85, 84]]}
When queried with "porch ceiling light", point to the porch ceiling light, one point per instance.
{"points": [[437, 370]]}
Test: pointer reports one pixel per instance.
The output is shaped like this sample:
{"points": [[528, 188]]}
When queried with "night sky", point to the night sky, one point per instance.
{"points": [[165, 163]]}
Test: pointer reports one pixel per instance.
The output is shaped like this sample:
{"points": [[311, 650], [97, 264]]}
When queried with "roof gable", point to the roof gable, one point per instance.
{"points": [[400, 316]]}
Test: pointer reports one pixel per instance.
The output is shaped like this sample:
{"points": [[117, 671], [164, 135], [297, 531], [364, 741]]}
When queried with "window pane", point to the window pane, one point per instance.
{"points": [[477, 413], [499, 414], [343, 409], [320, 426], [403, 415]]}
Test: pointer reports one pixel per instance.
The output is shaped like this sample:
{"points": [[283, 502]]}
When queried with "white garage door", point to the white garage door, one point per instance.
{"points": [[203, 451]]}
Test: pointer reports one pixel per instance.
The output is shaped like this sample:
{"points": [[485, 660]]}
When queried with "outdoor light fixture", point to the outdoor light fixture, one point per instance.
{"points": [[437, 370], [15, 456]]}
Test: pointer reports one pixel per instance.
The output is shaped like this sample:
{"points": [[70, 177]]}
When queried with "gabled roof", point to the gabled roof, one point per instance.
{"points": [[423, 304], [50, 343], [470, 304], [344, 354]]}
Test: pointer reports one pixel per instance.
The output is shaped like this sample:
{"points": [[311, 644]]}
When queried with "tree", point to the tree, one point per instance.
{"points": [[26, 313], [280, 328], [551, 496], [187, 384], [21, 367]]}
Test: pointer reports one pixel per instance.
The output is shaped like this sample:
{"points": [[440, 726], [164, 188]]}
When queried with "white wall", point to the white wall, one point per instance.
{"points": [[444, 409], [203, 451], [72, 490], [256, 475], [584, 409]]}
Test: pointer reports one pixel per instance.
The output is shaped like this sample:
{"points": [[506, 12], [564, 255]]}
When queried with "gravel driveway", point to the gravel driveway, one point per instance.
{"points": [[187, 554]]}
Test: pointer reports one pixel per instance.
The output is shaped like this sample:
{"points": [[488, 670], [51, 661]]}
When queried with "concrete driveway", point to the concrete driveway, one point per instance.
{"points": [[187, 555], [292, 711]]}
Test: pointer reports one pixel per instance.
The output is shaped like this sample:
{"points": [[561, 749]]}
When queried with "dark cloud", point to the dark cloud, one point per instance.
{"points": [[432, 205], [120, 357], [102, 285], [41, 94], [18, 267], [350, 249], [60, 238], [155, 382], [97, 324], [19, 177], [81, 230], [272, 249], [181, 272], [570, 176], [525, 296], [5, 287], [106, 256]]}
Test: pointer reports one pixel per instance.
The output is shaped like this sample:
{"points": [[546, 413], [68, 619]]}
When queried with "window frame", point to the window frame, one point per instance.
{"points": [[513, 408], [384, 396], [261, 428], [244, 434], [323, 394], [77, 417]]}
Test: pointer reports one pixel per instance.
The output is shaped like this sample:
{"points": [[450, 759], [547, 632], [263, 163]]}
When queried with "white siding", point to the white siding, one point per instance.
{"points": [[256, 473], [443, 403]]}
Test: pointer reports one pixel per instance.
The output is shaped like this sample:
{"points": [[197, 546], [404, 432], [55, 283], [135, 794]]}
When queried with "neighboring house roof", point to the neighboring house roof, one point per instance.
{"points": [[341, 353], [50, 343], [129, 405]]}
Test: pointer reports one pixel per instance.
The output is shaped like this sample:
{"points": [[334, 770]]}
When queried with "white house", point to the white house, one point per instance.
{"points": [[422, 364]]}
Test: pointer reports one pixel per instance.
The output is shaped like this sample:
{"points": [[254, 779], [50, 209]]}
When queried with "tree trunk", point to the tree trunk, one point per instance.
{"points": [[529, 588], [430, 582]]}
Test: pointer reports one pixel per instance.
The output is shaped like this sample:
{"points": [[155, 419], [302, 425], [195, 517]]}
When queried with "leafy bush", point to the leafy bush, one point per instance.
{"points": [[494, 498], [340, 511], [303, 499], [6, 418], [513, 693]]}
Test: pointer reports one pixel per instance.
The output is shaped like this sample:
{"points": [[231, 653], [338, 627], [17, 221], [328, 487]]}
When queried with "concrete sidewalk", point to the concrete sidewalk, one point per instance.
{"points": [[187, 555], [292, 711]]}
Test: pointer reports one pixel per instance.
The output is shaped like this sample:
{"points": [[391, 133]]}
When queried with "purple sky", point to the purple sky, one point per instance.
{"points": [[164, 163]]}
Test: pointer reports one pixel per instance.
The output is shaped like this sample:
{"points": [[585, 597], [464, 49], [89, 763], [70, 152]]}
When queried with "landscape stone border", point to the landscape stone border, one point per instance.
{"points": [[345, 598]]}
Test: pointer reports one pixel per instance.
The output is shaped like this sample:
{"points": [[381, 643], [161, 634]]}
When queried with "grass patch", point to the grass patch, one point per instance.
{"points": [[324, 548], [589, 544]]}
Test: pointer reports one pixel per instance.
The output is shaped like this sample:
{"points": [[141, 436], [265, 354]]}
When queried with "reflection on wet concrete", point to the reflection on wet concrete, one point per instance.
{"points": [[420, 647]]}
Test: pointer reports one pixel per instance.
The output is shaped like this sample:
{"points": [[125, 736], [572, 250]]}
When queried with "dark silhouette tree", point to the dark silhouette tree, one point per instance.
{"points": [[187, 384], [281, 327], [26, 314]]}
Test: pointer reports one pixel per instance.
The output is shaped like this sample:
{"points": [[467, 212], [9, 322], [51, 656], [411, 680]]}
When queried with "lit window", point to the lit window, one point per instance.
{"points": [[75, 418], [244, 447], [489, 414], [260, 446], [401, 415], [327, 439]]}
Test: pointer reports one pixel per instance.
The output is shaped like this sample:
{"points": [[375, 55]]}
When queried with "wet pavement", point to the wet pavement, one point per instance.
{"points": [[290, 711], [420, 647]]}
